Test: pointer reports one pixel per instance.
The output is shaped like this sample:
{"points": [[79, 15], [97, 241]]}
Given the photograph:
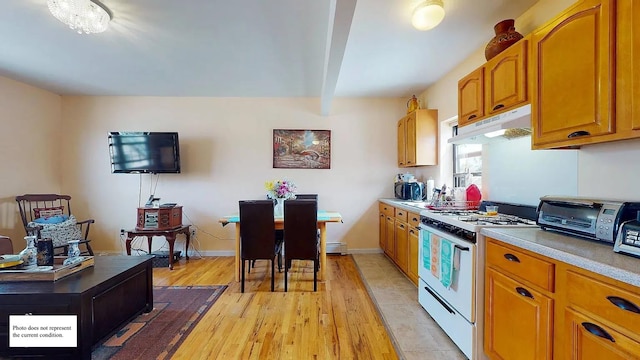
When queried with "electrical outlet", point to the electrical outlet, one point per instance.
{"points": [[121, 231], [193, 232]]}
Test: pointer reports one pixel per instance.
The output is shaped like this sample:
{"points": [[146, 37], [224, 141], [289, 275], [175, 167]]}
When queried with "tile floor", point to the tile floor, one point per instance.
{"points": [[414, 334]]}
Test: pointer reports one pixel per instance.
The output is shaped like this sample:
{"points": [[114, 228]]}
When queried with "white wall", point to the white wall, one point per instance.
{"points": [[30, 145], [226, 151]]}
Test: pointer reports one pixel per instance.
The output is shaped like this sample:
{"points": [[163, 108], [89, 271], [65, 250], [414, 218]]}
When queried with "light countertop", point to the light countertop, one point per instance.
{"points": [[413, 206], [586, 254]]}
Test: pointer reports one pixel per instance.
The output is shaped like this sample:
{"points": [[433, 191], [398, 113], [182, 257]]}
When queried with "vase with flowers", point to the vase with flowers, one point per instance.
{"points": [[280, 190]]}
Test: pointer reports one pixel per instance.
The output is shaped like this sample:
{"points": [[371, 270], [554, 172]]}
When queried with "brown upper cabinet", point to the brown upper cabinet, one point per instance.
{"points": [[628, 69], [586, 76], [498, 85], [471, 97], [579, 71], [506, 78], [418, 138], [572, 72]]}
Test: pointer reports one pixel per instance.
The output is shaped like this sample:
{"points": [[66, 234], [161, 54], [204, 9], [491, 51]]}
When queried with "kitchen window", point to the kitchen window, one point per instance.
{"points": [[467, 164]]}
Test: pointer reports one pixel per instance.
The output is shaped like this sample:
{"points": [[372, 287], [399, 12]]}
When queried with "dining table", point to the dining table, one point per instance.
{"points": [[324, 217]]}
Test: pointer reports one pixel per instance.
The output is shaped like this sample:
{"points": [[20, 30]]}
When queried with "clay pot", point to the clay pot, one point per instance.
{"points": [[506, 35]]}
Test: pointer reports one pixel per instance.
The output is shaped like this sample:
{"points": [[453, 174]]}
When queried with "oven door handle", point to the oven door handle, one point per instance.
{"points": [[461, 248], [444, 305]]}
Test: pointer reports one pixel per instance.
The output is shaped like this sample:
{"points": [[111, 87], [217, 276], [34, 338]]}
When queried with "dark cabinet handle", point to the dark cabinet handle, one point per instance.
{"points": [[444, 305], [411, 231], [499, 106], [414, 219], [472, 116], [511, 257], [624, 304], [461, 248], [578, 134], [524, 292], [597, 331]]}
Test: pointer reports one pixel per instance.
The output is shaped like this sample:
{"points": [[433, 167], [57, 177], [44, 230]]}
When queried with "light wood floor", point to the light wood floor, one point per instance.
{"points": [[339, 321]]}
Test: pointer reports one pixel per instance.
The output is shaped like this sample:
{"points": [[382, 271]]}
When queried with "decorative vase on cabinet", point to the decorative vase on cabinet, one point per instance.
{"points": [[506, 35]]}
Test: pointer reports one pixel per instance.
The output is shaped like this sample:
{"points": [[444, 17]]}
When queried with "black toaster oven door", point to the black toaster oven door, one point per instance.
{"points": [[568, 217]]}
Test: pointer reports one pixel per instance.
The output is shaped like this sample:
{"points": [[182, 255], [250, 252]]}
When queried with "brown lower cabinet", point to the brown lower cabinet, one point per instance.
{"points": [[518, 314], [399, 238], [541, 308]]}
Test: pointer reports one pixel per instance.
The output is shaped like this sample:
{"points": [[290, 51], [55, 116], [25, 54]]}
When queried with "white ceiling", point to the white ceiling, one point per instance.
{"points": [[250, 48]]}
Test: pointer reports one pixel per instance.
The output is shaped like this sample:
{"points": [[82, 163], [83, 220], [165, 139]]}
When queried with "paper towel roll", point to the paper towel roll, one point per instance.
{"points": [[429, 189]]}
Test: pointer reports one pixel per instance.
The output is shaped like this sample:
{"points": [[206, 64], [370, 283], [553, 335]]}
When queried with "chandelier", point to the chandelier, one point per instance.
{"points": [[84, 16]]}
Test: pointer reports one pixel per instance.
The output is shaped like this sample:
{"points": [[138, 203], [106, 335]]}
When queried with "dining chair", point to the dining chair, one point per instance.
{"points": [[307, 197], [280, 233], [300, 235], [257, 235]]}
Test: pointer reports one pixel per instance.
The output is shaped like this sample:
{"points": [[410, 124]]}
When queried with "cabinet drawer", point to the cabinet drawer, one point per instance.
{"points": [[413, 219], [531, 269], [589, 339], [386, 209], [604, 300], [401, 215]]}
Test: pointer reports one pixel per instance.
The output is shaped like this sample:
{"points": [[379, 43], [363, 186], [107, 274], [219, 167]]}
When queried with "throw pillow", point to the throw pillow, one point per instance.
{"points": [[55, 219], [60, 233], [47, 212]]}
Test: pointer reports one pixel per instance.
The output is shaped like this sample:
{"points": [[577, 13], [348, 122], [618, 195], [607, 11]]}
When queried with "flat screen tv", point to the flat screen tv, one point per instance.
{"points": [[144, 152]]}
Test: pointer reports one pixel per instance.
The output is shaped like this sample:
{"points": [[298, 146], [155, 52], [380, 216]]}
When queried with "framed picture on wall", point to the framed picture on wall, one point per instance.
{"points": [[301, 149]]}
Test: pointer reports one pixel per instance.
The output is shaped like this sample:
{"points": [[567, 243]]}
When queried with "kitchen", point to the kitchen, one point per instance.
{"points": [[514, 173], [600, 170]]}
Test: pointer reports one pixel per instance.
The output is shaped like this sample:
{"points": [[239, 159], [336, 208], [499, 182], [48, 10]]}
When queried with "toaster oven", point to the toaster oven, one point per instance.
{"points": [[594, 219]]}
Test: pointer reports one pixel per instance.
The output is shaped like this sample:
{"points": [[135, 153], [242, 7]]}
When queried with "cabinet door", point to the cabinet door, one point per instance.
{"points": [[402, 142], [589, 339], [572, 75], [412, 265], [518, 320], [410, 139], [506, 78], [402, 245], [628, 68], [470, 97], [382, 233], [390, 249]]}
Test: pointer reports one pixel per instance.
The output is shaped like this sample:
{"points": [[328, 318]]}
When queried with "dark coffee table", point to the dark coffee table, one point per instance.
{"points": [[104, 297]]}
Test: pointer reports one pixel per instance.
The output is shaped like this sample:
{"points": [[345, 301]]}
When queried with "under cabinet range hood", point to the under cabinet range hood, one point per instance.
{"points": [[507, 125]]}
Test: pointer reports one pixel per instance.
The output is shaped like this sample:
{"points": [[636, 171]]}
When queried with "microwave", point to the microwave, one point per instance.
{"points": [[412, 191], [594, 219]]}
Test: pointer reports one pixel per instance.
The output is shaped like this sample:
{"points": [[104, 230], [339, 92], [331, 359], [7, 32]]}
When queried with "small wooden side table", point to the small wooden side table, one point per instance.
{"points": [[169, 234]]}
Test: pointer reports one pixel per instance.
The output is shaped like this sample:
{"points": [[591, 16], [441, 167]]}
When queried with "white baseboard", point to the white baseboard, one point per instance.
{"points": [[334, 248]]}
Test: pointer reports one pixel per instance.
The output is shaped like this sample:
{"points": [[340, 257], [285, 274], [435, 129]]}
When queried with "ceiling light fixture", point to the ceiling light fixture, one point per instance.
{"points": [[428, 14], [84, 16]]}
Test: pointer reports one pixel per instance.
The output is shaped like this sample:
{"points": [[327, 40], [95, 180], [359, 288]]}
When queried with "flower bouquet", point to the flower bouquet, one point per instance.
{"points": [[280, 189]]}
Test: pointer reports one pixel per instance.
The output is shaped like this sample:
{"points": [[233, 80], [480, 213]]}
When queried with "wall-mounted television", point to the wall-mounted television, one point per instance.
{"points": [[144, 152]]}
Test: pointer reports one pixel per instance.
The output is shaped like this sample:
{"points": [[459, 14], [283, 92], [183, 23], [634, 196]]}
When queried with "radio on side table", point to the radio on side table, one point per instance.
{"points": [[162, 218]]}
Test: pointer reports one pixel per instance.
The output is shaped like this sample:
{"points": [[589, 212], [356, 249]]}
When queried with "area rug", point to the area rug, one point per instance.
{"points": [[158, 334]]}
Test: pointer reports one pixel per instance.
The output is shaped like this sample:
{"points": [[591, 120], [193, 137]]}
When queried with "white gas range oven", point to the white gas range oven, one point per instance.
{"points": [[451, 268]]}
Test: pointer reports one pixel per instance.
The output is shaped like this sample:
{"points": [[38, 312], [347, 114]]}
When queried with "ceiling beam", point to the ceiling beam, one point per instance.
{"points": [[340, 18]]}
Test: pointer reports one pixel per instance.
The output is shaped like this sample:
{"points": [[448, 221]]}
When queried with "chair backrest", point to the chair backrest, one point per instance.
{"points": [[257, 229], [307, 197], [300, 229], [31, 205]]}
